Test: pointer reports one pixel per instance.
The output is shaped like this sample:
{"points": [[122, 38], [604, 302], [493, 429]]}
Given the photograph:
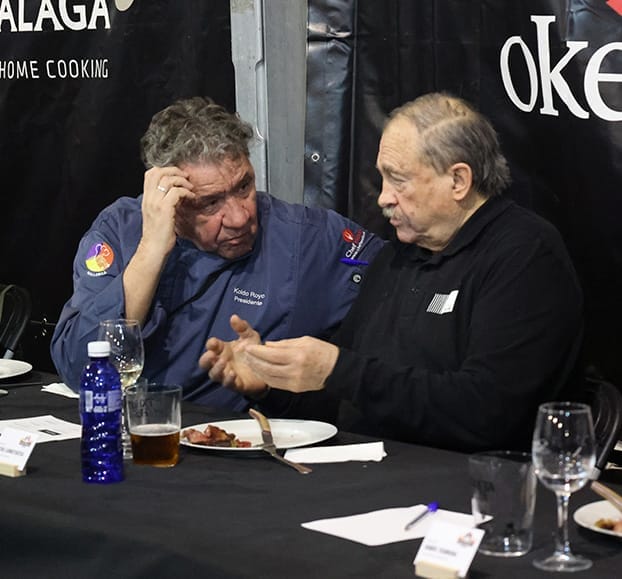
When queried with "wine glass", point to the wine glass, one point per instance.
{"points": [[127, 356], [564, 454]]}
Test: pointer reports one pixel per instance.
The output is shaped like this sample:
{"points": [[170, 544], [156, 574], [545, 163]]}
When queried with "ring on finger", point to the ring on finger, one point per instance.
{"points": [[163, 189]]}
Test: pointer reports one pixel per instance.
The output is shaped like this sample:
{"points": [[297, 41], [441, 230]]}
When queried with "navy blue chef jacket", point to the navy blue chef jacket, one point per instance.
{"points": [[292, 283]]}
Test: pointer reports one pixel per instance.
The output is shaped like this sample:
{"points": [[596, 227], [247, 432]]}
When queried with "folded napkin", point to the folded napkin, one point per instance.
{"points": [[61, 389], [387, 525], [366, 451]]}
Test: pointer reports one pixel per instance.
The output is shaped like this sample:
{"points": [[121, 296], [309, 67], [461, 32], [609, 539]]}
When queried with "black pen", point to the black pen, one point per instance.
{"points": [[431, 508]]}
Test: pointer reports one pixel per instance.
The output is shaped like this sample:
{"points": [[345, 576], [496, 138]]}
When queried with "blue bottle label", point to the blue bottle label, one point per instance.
{"points": [[101, 402], [87, 397], [114, 400]]}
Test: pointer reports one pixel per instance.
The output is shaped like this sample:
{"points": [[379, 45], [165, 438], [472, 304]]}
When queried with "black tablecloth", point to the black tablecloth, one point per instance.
{"points": [[219, 514]]}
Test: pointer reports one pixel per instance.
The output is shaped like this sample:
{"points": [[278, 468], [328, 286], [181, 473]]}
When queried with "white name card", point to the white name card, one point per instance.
{"points": [[15, 449], [447, 551]]}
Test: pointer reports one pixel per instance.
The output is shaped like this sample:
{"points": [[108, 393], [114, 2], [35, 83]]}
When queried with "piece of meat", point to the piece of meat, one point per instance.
{"points": [[214, 436], [614, 525], [195, 436]]}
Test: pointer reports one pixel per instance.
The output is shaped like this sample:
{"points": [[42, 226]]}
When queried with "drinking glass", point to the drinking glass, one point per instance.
{"points": [[503, 501], [154, 422], [564, 454], [128, 356]]}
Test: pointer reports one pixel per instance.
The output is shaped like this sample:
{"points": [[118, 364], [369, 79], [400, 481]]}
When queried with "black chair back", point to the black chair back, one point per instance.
{"points": [[606, 405], [15, 307]]}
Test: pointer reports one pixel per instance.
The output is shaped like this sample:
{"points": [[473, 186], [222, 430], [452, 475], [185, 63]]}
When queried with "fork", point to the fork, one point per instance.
{"points": [[268, 442]]}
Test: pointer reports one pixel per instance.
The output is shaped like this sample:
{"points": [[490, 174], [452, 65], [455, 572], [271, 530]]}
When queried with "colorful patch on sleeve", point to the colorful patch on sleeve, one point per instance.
{"points": [[99, 258], [356, 241]]}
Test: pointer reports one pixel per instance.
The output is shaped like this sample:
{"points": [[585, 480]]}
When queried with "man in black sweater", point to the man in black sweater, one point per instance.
{"points": [[464, 324]]}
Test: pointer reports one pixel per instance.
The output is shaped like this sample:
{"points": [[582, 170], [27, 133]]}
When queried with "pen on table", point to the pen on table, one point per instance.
{"points": [[431, 508], [349, 261]]}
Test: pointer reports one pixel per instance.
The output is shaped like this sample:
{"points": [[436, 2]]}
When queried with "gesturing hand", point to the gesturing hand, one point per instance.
{"points": [[226, 360], [297, 365]]}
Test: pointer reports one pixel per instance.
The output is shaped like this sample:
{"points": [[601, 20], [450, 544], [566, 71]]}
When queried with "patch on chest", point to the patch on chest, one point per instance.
{"points": [[443, 303]]}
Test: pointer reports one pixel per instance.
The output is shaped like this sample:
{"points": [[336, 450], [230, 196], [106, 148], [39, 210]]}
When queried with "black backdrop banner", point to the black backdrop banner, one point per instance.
{"points": [[79, 82], [549, 75], [80, 79]]}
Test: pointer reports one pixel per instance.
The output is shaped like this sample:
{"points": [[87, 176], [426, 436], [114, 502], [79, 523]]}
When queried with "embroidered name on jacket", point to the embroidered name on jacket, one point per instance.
{"points": [[248, 297], [443, 303]]}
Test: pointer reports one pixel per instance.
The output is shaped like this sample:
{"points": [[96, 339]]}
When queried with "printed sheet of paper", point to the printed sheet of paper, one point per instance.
{"points": [[47, 428]]}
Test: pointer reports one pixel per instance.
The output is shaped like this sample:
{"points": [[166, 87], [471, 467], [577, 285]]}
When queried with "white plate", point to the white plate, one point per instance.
{"points": [[587, 515], [286, 433], [11, 368]]}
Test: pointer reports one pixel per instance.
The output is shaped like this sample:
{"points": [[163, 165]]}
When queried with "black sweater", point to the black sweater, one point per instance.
{"points": [[456, 349]]}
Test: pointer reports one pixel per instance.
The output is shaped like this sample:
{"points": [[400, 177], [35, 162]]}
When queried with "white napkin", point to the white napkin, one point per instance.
{"points": [[387, 525], [366, 451], [61, 389]]}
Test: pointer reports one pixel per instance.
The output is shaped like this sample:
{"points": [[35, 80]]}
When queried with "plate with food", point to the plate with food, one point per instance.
{"points": [[601, 517], [245, 435], [11, 368]]}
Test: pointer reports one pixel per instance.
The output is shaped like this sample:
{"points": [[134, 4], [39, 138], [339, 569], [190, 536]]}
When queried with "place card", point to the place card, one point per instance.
{"points": [[15, 449], [447, 551]]}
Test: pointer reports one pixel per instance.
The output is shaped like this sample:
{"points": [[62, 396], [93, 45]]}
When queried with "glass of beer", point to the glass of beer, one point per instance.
{"points": [[154, 422]]}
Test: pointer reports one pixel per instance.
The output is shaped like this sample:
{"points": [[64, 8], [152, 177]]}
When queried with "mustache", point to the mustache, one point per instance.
{"points": [[388, 212]]}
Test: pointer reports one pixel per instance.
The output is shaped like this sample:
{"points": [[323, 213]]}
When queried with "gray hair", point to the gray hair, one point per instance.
{"points": [[452, 131], [195, 130]]}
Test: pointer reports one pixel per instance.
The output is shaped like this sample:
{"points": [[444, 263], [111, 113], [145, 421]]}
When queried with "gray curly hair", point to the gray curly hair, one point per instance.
{"points": [[452, 131], [195, 130]]}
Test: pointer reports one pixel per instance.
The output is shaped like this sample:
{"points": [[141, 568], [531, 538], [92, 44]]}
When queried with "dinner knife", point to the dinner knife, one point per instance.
{"points": [[604, 491], [268, 442]]}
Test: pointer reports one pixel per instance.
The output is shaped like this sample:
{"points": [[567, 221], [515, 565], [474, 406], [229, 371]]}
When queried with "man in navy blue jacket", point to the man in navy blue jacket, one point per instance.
{"points": [[464, 324], [200, 244]]}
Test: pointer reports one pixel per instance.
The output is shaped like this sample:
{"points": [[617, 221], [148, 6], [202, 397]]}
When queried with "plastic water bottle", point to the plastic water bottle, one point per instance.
{"points": [[100, 412]]}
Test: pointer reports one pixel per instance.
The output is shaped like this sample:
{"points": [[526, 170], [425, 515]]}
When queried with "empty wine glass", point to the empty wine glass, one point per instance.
{"points": [[564, 454], [128, 356]]}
